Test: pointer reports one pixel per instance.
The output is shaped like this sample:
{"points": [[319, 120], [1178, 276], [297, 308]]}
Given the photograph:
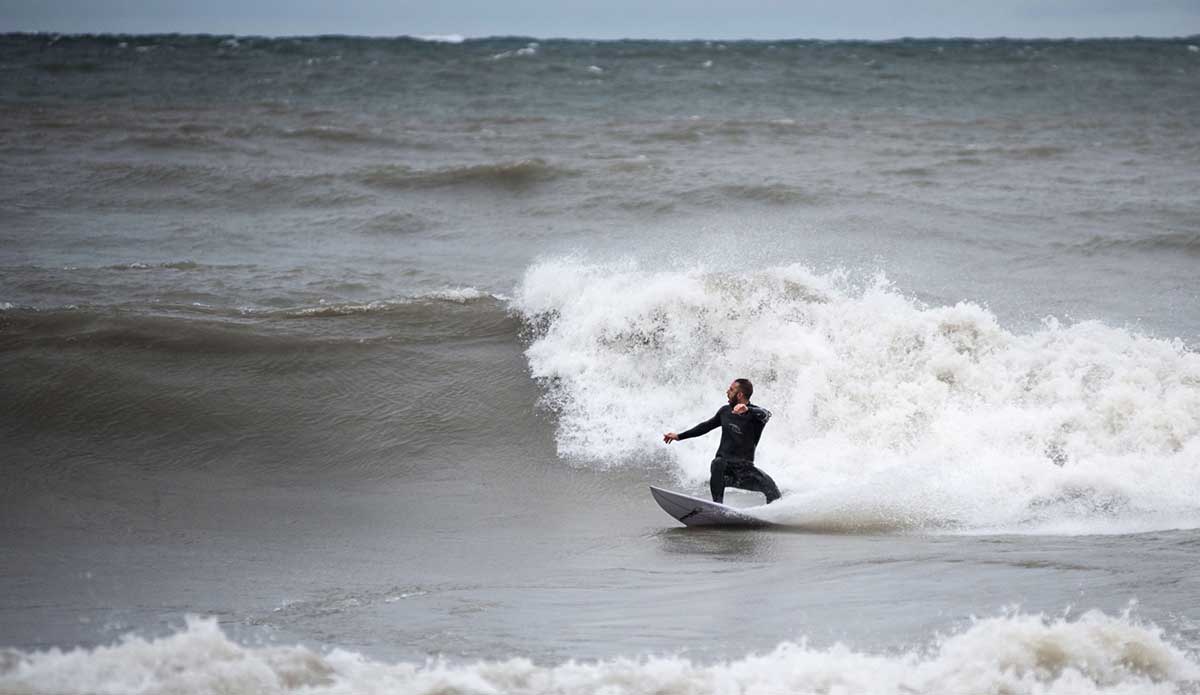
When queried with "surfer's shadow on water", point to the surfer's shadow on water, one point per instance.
{"points": [[721, 543]]}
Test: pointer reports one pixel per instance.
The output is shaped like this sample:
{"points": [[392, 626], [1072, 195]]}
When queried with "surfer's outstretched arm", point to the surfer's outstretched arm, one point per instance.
{"points": [[703, 428]]}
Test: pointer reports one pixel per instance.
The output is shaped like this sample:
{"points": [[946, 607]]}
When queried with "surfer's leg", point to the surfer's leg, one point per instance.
{"points": [[717, 483], [769, 488], [751, 477]]}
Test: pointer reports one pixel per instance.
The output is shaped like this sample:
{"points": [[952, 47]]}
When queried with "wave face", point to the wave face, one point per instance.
{"points": [[1011, 654], [888, 414], [462, 312]]}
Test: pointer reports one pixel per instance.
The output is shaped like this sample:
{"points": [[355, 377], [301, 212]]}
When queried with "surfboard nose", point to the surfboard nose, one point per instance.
{"points": [[693, 511]]}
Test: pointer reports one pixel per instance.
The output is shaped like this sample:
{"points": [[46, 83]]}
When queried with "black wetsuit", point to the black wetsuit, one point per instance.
{"points": [[734, 463]]}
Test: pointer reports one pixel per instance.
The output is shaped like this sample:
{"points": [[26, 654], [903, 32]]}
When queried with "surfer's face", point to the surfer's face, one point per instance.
{"points": [[733, 393]]}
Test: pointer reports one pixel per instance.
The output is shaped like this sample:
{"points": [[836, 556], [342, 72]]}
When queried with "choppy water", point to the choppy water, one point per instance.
{"points": [[362, 348]]}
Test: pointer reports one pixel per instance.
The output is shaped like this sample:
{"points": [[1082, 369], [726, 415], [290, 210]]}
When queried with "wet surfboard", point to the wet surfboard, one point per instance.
{"points": [[693, 511]]}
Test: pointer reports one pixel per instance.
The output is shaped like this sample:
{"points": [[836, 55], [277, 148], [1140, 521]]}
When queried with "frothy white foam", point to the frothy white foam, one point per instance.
{"points": [[1010, 654], [888, 414], [529, 50], [460, 295], [454, 295], [442, 38]]}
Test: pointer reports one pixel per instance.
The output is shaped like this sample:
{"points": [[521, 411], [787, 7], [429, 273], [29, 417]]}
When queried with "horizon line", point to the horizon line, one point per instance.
{"points": [[454, 38]]}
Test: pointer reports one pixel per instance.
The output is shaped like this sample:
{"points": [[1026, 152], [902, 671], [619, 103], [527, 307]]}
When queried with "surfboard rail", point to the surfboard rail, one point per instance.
{"points": [[693, 511]]}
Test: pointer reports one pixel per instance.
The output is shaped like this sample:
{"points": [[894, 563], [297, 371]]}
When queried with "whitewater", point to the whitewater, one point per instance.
{"points": [[893, 415], [1093, 653]]}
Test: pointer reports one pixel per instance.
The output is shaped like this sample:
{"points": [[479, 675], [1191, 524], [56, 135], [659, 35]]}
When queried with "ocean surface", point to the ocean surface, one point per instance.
{"points": [[338, 365]]}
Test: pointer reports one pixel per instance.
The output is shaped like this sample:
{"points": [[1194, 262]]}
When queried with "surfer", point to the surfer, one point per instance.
{"points": [[741, 424]]}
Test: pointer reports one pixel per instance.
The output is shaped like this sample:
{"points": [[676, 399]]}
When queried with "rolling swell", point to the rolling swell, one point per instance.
{"points": [[154, 186], [465, 314], [514, 175], [345, 391], [765, 193], [1167, 242]]}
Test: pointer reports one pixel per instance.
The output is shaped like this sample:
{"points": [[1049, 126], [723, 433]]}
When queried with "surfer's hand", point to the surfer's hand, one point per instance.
{"points": [[670, 437], [740, 409]]}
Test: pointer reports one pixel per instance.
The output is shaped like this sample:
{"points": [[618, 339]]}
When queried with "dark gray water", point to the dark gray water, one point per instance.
{"points": [[361, 351]]}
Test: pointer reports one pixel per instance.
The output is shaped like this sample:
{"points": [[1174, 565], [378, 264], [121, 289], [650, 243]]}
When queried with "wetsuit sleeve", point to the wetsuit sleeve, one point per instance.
{"points": [[760, 414], [703, 428]]}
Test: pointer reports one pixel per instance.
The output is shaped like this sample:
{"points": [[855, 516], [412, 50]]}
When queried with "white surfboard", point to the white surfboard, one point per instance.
{"points": [[693, 511]]}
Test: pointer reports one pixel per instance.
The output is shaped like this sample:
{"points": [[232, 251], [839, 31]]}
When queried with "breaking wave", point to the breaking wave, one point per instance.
{"points": [[890, 414], [1017, 653]]}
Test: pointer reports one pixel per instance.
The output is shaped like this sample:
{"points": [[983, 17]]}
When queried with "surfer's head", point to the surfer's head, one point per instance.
{"points": [[739, 391]]}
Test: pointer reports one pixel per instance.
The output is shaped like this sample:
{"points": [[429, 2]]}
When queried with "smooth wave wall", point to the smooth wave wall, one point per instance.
{"points": [[1017, 653], [452, 313], [888, 414]]}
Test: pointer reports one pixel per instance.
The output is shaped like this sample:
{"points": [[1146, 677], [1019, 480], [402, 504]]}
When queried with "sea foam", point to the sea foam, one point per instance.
{"points": [[1016, 653], [888, 414]]}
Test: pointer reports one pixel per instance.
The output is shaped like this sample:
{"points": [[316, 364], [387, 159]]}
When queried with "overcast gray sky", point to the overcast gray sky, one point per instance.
{"points": [[668, 19]]}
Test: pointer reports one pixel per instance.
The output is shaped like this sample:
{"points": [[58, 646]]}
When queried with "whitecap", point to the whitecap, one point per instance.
{"points": [[441, 38], [1014, 653]]}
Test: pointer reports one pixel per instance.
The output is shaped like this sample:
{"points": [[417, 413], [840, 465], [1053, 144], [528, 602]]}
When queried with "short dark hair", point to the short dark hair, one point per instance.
{"points": [[745, 387]]}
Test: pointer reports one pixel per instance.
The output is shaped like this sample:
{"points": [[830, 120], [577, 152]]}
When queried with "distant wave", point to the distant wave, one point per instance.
{"points": [[395, 223], [152, 185], [518, 174], [239, 138], [104, 329], [57, 68], [1178, 242], [1018, 653], [184, 178], [155, 174], [173, 265], [769, 193], [174, 141], [697, 130], [1028, 152], [461, 296], [890, 415], [341, 135], [441, 38]]}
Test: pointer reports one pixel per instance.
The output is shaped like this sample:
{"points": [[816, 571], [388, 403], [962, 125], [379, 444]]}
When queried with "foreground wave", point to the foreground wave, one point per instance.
{"points": [[1019, 653]]}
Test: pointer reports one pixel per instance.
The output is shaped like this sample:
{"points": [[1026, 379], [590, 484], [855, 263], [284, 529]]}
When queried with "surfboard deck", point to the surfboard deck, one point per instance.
{"points": [[693, 511]]}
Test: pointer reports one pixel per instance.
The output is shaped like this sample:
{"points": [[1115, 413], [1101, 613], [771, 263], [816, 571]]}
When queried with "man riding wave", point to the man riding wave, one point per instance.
{"points": [[741, 424]]}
